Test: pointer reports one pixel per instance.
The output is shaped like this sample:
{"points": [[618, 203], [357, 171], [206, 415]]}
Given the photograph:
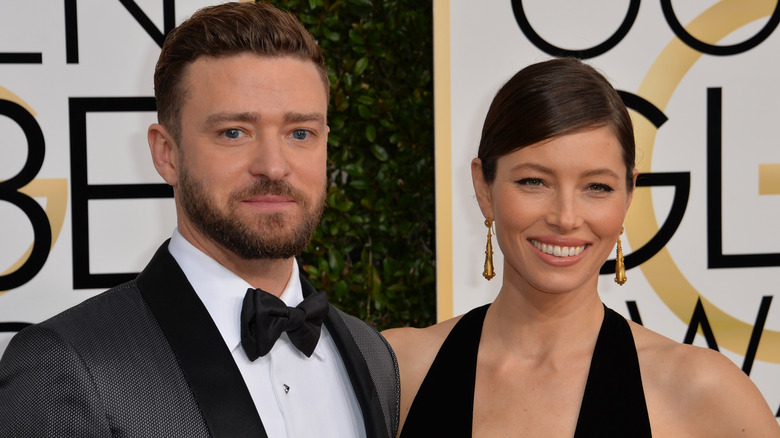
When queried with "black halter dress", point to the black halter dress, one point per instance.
{"points": [[613, 404]]}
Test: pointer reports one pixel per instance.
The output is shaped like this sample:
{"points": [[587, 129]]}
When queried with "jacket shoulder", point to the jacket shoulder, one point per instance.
{"points": [[98, 366], [381, 362]]}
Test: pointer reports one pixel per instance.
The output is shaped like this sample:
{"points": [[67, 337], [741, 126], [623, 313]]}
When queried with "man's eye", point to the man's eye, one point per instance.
{"points": [[233, 133], [300, 134]]}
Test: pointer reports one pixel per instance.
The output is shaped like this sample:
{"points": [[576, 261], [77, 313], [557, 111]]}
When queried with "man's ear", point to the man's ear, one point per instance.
{"points": [[165, 153], [481, 189]]}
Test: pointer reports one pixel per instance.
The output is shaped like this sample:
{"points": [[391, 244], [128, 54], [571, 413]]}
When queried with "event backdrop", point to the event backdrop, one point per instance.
{"points": [[82, 209], [701, 80], [81, 205]]}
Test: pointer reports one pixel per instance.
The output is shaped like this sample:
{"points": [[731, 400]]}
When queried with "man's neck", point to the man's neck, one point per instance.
{"points": [[270, 275]]}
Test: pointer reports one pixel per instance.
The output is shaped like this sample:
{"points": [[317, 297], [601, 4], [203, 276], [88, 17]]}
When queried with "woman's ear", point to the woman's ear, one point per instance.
{"points": [[633, 184], [165, 153], [481, 189]]}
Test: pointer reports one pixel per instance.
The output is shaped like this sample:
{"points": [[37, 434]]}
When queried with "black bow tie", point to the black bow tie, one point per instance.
{"points": [[264, 317]]}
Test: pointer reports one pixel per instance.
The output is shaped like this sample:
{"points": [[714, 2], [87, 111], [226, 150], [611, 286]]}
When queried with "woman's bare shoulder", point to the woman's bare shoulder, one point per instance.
{"points": [[416, 349], [672, 362], [418, 346], [412, 335], [698, 389]]}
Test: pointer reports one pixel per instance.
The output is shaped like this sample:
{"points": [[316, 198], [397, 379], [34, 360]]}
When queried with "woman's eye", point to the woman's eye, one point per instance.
{"points": [[600, 188], [531, 182], [300, 134]]}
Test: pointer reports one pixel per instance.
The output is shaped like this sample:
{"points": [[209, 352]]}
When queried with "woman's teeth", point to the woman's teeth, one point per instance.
{"points": [[558, 251]]}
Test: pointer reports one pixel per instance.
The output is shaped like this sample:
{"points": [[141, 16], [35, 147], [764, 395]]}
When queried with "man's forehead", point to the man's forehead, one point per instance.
{"points": [[203, 60]]}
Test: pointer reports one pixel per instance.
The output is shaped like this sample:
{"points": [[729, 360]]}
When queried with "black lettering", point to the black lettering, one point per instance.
{"points": [[710, 49], [755, 337], [21, 58], [681, 181], [633, 311], [600, 49], [82, 192], [71, 33], [36, 150], [715, 257], [71, 25], [644, 107], [699, 318], [146, 23], [13, 326]]}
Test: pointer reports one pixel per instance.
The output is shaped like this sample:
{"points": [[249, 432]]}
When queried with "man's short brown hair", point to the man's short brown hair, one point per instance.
{"points": [[225, 30]]}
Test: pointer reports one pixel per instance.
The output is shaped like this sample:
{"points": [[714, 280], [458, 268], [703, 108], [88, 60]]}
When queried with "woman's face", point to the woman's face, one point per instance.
{"points": [[558, 207]]}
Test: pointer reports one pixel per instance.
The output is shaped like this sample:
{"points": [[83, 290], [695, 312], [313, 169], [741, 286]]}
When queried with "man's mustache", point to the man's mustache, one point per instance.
{"points": [[265, 186]]}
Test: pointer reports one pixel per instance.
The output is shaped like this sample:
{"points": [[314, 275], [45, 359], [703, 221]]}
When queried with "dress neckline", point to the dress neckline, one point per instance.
{"points": [[613, 404]]}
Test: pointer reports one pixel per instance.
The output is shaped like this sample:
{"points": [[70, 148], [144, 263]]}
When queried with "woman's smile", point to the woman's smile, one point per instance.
{"points": [[557, 250]]}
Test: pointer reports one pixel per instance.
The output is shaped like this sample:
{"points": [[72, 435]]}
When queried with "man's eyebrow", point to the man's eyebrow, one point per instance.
{"points": [[304, 117], [217, 118], [252, 117]]}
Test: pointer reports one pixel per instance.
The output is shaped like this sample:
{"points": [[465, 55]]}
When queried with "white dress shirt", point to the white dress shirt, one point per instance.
{"points": [[295, 395]]}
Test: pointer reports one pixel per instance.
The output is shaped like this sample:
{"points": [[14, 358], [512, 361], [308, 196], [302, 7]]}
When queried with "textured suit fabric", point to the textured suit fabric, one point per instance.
{"points": [[110, 367], [102, 368], [383, 373]]}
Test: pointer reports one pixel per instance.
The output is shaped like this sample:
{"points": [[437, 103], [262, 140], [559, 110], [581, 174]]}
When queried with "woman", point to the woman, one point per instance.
{"points": [[554, 177]]}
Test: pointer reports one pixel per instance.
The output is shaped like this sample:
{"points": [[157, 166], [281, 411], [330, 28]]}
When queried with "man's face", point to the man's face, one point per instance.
{"points": [[252, 155]]}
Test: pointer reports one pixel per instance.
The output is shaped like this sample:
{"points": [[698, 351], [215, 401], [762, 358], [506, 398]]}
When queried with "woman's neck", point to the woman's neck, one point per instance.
{"points": [[543, 326]]}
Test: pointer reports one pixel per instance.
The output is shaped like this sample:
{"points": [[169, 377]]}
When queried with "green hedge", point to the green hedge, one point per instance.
{"points": [[374, 252]]}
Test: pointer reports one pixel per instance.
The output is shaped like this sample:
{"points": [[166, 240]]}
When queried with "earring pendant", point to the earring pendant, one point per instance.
{"points": [[620, 266], [489, 272]]}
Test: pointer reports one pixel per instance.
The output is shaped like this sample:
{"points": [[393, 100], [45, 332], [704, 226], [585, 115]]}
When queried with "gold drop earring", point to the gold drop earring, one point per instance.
{"points": [[620, 267], [489, 272]]}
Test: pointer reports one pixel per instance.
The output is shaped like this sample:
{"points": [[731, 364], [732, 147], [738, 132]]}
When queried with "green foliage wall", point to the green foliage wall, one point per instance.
{"points": [[374, 252]]}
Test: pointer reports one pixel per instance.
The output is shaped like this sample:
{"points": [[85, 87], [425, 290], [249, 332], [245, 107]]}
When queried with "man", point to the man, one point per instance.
{"points": [[190, 348]]}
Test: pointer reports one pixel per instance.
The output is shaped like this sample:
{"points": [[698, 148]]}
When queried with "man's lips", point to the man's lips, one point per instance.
{"points": [[269, 201]]}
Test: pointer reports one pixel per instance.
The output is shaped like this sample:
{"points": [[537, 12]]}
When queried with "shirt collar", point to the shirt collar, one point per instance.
{"points": [[221, 290]]}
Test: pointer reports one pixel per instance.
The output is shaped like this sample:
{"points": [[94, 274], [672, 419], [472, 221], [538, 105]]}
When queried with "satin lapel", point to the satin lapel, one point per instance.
{"points": [[356, 366], [222, 395]]}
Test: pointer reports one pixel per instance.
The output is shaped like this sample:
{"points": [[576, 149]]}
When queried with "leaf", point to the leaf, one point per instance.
{"points": [[340, 288], [312, 271], [371, 134], [359, 184], [395, 288], [361, 65], [356, 37], [365, 111], [379, 152], [353, 169]]}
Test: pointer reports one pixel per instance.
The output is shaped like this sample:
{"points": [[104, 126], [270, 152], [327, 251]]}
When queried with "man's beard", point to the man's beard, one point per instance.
{"points": [[269, 236]]}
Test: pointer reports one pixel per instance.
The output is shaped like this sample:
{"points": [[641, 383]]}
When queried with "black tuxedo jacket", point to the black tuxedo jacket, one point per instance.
{"points": [[145, 359]]}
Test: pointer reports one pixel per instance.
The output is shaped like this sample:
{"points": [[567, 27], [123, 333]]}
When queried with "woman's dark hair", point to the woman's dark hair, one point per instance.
{"points": [[550, 99]]}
